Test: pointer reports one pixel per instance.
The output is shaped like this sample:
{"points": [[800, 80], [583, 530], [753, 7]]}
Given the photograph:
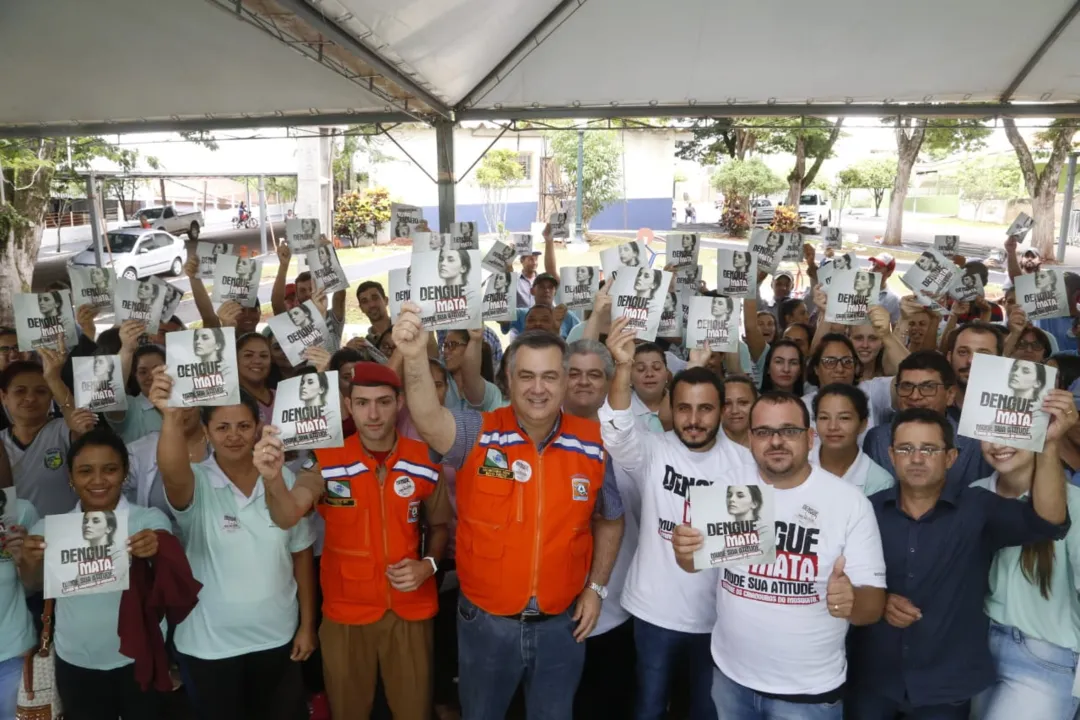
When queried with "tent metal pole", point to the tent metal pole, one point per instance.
{"points": [[444, 141], [1066, 208]]}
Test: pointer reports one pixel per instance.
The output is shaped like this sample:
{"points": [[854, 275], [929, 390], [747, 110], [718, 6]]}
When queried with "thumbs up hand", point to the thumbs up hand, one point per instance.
{"points": [[840, 595]]}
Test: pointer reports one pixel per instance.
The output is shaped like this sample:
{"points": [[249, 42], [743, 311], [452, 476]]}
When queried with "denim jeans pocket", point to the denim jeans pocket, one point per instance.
{"points": [[466, 610], [1049, 656]]}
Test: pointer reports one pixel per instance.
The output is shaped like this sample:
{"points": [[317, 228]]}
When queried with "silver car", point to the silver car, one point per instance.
{"points": [[138, 253]]}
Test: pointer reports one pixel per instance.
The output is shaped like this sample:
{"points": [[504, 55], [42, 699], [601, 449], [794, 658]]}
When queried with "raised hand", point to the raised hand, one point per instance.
{"points": [[620, 342], [85, 316], [1062, 408], [409, 336], [130, 332], [161, 389], [269, 454], [880, 320], [229, 313], [191, 267]]}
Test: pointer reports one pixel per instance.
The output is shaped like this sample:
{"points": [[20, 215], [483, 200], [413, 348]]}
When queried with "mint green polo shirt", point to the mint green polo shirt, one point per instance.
{"points": [[248, 601], [86, 634], [16, 626], [493, 398], [140, 419], [1016, 602]]}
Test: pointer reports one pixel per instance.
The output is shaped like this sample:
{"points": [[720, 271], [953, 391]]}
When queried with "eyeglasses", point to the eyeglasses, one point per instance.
{"points": [[926, 389], [845, 362], [787, 433], [1033, 345], [924, 451], [452, 345], [8, 349]]}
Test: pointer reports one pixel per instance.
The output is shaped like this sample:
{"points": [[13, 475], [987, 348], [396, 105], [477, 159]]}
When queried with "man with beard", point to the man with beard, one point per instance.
{"points": [[926, 380], [778, 639], [673, 612], [967, 341]]}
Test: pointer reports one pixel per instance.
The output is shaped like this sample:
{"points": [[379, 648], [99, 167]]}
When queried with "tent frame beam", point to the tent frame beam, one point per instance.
{"points": [[1043, 48], [547, 27], [331, 30], [958, 109]]}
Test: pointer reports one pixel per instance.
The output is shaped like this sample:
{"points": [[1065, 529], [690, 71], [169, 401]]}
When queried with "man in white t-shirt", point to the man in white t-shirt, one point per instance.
{"points": [[674, 613], [778, 641]]}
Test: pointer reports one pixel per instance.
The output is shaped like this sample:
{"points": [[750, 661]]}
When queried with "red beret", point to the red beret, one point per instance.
{"points": [[372, 373]]}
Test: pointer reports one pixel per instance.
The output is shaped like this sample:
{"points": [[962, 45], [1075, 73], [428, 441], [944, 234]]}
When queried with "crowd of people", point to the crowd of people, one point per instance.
{"points": [[508, 530]]}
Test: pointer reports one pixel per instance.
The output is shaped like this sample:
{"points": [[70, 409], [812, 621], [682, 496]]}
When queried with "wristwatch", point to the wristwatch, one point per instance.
{"points": [[600, 590], [434, 565]]}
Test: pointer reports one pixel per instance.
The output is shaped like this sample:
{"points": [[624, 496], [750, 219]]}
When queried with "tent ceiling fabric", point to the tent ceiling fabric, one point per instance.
{"points": [[1058, 73], [121, 60]]}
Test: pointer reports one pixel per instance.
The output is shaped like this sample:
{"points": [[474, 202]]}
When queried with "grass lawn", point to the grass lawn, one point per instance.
{"points": [[958, 222]]}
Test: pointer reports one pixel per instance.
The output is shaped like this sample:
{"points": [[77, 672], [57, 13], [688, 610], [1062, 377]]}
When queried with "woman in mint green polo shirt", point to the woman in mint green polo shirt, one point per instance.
{"points": [[1033, 606], [94, 680], [243, 643], [16, 625]]}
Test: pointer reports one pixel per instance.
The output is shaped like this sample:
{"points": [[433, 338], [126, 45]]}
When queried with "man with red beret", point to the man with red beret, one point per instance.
{"points": [[379, 592]]}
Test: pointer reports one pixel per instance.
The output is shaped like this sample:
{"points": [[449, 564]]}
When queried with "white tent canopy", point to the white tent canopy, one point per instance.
{"points": [[129, 65]]}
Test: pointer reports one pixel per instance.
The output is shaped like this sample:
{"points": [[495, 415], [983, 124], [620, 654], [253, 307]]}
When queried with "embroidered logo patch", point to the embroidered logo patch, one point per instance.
{"points": [[580, 487], [414, 511], [53, 458], [338, 489]]}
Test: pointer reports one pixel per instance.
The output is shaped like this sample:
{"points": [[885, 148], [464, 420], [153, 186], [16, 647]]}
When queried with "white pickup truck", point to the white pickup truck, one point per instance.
{"points": [[815, 212], [166, 218]]}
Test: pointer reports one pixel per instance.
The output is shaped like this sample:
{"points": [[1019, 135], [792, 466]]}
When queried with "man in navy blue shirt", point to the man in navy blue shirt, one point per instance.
{"points": [[925, 379], [930, 654]]}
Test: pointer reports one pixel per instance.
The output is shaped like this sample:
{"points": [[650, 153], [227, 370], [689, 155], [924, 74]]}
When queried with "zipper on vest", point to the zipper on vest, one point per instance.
{"points": [[380, 473], [538, 476]]}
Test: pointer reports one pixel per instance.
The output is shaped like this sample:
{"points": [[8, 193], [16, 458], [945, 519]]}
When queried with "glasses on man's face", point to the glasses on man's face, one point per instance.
{"points": [[905, 451], [926, 389], [451, 345], [1022, 345], [8, 349], [787, 433], [846, 362]]}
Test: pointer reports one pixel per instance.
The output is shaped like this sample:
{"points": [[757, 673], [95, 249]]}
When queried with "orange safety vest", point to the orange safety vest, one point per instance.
{"points": [[524, 517], [372, 515]]}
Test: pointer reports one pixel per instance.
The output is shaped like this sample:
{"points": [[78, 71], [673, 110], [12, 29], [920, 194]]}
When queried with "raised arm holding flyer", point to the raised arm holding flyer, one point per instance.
{"points": [[307, 411], [1042, 294], [299, 328], [713, 323], [202, 364], [578, 286], [447, 287], [237, 278], [99, 383], [92, 286], [302, 234], [638, 294], [736, 273]]}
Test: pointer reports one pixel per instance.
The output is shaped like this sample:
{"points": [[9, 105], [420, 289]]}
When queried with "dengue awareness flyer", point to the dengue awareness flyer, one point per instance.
{"points": [[463, 236], [500, 296], [930, 277], [683, 249], [99, 383], [1020, 226], [967, 286], [523, 243], [307, 411], [947, 245], [92, 286], [237, 279], [139, 300], [326, 269], [44, 319], [578, 285], [736, 273], [1042, 294], [1003, 402], [769, 248], [299, 328], [729, 516], [631, 254], [639, 295], [405, 219], [671, 319], [688, 279], [500, 257], [838, 262], [302, 234], [713, 322], [793, 247], [560, 225], [202, 364], [171, 298], [86, 553], [425, 241], [208, 253], [850, 296], [447, 287], [398, 289]]}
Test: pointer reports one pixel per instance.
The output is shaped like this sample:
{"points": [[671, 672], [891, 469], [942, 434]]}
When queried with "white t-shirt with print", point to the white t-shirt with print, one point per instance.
{"points": [[773, 632], [657, 590]]}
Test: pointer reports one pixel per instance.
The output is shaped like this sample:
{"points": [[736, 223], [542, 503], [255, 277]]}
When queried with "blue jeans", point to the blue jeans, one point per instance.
{"points": [[496, 653], [1034, 679], [658, 653], [10, 675], [865, 704], [735, 702]]}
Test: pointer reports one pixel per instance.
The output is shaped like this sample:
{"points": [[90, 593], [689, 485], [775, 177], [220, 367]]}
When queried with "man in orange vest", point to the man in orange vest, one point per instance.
{"points": [[539, 525], [379, 593]]}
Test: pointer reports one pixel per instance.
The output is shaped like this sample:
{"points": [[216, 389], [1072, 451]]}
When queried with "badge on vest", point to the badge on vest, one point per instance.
{"points": [[495, 458], [522, 471], [580, 487], [230, 524], [414, 511], [502, 473], [339, 493], [53, 458], [404, 487]]}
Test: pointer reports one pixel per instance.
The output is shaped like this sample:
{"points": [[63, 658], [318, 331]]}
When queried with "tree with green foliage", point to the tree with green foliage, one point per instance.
{"points": [[980, 179], [743, 180], [806, 138], [938, 139], [125, 188], [362, 214], [600, 172], [717, 138], [873, 174], [362, 140], [498, 172], [1054, 143], [840, 189]]}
